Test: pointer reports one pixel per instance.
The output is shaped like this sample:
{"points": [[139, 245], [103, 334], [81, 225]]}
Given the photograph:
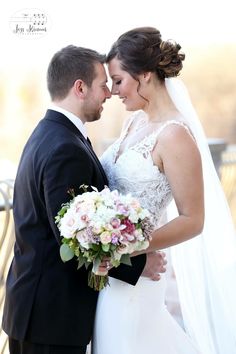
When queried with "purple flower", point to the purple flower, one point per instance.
{"points": [[122, 209], [115, 222], [114, 239]]}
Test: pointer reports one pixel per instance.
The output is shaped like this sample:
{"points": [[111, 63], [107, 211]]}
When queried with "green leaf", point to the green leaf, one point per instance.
{"points": [[115, 263], [76, 251], [106, 247], [96, 264], [112, 247], [125, 259], [66, 252], [63, 210], [95, 247], [87, 264], [81, 262], [57, 219]]}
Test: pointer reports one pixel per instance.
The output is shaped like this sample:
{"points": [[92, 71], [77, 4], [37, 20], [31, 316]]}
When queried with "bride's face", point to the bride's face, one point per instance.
{"points": [[125, 86]]}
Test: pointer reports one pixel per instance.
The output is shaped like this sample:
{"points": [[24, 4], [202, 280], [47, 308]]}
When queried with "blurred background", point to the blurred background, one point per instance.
{"points": [[204, 29], [32, 31]]}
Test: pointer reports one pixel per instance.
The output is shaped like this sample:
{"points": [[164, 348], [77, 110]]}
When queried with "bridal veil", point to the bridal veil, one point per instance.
{"points": [[205, 266]]}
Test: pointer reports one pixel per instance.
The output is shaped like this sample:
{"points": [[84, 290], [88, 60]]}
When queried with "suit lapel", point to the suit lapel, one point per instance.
{"points": [[62, 119], [90, 148]]}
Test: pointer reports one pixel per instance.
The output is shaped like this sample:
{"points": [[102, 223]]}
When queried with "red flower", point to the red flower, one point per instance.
{"points": [[129, 226]]}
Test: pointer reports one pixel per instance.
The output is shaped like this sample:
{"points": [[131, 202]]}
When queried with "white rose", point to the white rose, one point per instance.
{"points": [[82, 239], [70, 223], [144, 214], [105, 237], [133, 217]]}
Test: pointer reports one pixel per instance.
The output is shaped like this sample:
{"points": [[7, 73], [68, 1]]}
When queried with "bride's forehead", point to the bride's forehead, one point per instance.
{"points": [[115, 69], [114, 65]]}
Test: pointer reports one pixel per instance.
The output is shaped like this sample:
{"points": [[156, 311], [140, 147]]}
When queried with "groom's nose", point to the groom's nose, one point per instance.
{"points": [[108, 93]]}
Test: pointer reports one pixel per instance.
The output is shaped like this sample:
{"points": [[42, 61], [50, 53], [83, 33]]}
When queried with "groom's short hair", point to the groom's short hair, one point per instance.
{"points": [[70, 64]]}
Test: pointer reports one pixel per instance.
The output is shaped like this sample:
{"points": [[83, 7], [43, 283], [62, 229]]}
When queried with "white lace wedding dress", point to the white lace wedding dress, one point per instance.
{"points": [[134, 319]]}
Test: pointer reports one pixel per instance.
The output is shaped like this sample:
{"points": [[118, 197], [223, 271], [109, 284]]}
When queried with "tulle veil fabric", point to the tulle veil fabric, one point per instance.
{"points": [[205, 266]]}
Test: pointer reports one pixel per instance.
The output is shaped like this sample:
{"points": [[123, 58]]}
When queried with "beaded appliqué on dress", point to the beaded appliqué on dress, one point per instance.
{"points": [[134, 172]]}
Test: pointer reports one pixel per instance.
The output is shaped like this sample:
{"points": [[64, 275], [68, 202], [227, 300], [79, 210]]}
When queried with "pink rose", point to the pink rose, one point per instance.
{"points": [[115, 222], [129, 226]]}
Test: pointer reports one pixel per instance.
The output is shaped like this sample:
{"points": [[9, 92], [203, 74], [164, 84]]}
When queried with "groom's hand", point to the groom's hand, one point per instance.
{"points": [[155, 264]]}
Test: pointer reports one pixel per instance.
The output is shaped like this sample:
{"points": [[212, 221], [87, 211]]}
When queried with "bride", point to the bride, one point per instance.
{"points": [[162, 158]]}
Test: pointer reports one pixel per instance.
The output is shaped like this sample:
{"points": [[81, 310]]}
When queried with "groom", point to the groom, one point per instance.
{"points": [[49, 307]]}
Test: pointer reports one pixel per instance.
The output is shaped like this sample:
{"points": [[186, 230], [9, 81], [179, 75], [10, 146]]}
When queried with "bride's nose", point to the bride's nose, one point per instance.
{"points": [[114, 91]]}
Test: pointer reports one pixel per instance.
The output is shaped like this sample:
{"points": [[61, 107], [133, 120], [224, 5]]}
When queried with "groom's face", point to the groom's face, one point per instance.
{"points": [[96, 95]]}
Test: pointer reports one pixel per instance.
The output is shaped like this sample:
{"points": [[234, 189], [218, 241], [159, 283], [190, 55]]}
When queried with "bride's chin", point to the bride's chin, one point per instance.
{"points": [[127, 105], [130, 108]]}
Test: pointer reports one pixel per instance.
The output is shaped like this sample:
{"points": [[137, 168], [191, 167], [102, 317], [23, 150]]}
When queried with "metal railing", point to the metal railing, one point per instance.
{"points": [[6, 247], [228, 172], [228, 177]]}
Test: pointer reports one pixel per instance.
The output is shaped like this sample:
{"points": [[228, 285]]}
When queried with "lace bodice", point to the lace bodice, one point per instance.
{"points": [[134, 172]]}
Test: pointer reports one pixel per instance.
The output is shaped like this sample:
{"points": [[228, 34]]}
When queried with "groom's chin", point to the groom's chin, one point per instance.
{"points": [[94, 118]]}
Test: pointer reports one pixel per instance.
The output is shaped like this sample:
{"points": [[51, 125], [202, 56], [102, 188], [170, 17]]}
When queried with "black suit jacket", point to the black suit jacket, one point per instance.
{"points": [[48, 301]]}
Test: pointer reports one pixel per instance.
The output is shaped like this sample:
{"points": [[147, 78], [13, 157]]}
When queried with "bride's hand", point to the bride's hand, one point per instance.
{"points": [[155, 264], [105, 265]]}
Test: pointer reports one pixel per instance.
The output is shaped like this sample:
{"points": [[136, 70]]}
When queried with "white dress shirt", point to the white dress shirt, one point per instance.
{"points": [[73, 118]]}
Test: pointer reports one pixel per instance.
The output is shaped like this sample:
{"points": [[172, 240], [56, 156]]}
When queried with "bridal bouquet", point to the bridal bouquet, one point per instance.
{"points": [[94, 225]]}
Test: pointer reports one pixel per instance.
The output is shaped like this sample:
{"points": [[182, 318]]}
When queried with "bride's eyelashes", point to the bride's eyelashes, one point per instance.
{"points": [[118, 82]]}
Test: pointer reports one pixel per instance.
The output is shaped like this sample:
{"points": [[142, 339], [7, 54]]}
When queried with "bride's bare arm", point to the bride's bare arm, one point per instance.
{"points": [[176, 153]]}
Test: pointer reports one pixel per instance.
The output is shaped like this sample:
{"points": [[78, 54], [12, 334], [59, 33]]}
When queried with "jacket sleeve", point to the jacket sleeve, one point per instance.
{"points": [[130, 274], [67, 168]]}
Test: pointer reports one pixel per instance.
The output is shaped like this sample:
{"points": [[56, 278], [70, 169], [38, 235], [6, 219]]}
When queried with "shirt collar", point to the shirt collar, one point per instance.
{"points": [[73, 118]]}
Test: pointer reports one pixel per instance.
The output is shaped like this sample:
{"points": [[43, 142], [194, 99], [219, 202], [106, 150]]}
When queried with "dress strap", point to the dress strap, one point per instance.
{"points": [[171, 122], [146, 145]]}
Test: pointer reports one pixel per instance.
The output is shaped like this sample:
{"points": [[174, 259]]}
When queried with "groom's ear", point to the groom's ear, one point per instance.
{"points": [[80, 88]]}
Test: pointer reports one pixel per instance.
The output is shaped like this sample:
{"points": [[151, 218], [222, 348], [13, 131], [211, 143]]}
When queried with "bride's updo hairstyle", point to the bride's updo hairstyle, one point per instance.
{"points": [[142, 49]]}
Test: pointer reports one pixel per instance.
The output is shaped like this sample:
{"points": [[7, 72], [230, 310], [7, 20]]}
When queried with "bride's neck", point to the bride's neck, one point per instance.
{"points": [[160, 107]]}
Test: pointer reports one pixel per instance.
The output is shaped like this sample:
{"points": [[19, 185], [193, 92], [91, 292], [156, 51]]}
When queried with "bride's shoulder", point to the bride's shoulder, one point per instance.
{"points": [[176, 132]]}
